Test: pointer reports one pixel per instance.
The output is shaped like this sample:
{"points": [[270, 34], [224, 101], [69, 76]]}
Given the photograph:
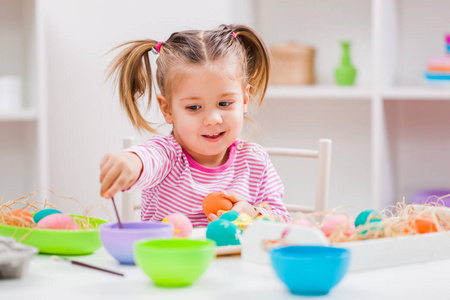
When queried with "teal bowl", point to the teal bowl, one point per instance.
{"points": [[310, 270]]}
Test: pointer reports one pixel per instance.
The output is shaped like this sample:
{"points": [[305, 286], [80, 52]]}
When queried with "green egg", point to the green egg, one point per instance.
{"points": [[43, 213], [224, 233]]}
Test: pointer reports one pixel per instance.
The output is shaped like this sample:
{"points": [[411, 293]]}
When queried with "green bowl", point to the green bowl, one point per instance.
{"points": [[61, 242], [174, 262]]}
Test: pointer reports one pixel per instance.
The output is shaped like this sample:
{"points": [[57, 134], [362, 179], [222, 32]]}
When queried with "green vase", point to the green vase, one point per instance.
{"points": [[346, 72]]}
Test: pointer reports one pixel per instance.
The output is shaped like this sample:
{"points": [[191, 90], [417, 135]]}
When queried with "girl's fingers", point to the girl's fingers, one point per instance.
{"points": [[108, 181], [105, 159], [116, 187], [104, 170], [230, 195], [212, 217]]}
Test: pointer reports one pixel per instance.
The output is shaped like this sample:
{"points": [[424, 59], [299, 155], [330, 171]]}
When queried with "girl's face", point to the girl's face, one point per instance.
{"points": [[207, 112]]}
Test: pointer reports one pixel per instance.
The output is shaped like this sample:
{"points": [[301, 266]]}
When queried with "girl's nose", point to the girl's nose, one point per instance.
{"points": [[212, 118]]}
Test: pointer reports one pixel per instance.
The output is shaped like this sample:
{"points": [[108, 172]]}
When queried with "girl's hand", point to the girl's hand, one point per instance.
{"points": [[213, 217], [240, 204], [118, 171]]}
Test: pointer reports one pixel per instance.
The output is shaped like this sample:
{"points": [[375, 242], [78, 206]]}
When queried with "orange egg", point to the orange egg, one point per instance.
{"points": [[423, 224], [19, 217], [215, 202]]}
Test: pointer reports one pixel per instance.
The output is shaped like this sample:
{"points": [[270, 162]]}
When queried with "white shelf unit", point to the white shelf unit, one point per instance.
{"points": [[381, 156], [22, 132]]}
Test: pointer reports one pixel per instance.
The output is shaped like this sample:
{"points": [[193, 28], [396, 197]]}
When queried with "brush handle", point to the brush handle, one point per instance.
{"points": [[117, 213], [95, 268]]}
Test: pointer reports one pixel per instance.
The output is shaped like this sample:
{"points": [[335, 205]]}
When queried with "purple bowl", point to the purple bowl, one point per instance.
{"points": [[119, 241], [431, 196]]}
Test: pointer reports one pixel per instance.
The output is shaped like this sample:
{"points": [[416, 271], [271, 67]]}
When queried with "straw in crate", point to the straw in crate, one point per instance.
{"points": [[292, 64]]}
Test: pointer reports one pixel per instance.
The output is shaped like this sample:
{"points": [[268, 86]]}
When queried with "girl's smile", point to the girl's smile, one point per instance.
{"points": [[214, 137], [207, 112]]}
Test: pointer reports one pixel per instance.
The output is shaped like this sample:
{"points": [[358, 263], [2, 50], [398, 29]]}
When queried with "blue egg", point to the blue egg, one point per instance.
{"points": [[370, 220], [371, 214], [230, 215], [43, 213], [224, 233]]}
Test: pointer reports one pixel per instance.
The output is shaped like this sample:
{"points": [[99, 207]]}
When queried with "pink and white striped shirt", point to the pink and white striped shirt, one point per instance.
{"points": [[173, 182]]}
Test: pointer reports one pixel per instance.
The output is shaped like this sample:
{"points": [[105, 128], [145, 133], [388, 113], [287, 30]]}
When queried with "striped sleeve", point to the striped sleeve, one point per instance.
{"points": [[271, 193], [158, 157]]}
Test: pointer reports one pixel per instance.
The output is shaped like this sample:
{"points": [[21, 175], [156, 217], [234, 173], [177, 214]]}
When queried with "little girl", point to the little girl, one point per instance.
{"points": [[207, 80]]}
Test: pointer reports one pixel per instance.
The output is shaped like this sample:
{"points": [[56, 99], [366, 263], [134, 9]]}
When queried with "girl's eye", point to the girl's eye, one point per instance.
{"points": [[193, 107], [225, 103]]}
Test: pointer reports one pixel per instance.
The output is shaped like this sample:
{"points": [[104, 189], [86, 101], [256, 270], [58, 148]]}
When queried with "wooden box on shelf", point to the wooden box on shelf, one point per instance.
{"points": [[292, 64]]}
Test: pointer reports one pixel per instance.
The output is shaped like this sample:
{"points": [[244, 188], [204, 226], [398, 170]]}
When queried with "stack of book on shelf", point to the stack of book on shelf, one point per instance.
{"points": [[438, 68]]}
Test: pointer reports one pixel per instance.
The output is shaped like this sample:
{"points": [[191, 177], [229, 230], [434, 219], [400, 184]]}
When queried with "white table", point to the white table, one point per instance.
{"points": [[227, 278]]}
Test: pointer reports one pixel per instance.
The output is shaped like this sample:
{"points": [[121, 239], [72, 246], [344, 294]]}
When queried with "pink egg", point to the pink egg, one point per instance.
{"points": [[334, 221], [182, 226], [303, 223], [58, 221]]}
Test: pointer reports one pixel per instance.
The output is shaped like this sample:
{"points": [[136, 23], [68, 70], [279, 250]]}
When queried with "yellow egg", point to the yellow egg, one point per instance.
{"points": [[242, 221]]}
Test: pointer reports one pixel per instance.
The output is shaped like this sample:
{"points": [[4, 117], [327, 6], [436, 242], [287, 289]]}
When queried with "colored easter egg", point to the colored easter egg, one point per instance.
{"points": [[230, 215], [266, 219], [370, 215], [215, 202], [18, 217], [182, 226], [303, 223], [43, 213], [58, 221], [224, 232], [423, 224], [242, 221], [335, 222]]}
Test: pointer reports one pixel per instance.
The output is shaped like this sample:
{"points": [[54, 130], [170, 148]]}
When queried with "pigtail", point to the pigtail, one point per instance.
{"points": [[258, 60], [132, 72]]}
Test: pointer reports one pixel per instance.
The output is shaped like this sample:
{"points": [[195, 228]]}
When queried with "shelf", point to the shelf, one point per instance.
{"points": [[24, 115], [318, 92], [417, 93]]}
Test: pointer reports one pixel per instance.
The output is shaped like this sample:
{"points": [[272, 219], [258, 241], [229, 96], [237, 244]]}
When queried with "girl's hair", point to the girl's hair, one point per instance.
{"points": [[181, 51]]}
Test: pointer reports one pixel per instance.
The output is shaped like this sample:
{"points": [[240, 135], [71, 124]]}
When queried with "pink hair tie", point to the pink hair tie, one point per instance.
{"points": [[158, 45], [234, 34]]}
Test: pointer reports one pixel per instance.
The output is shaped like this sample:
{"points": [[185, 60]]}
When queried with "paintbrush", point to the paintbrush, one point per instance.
{"points": [[74, 262], [117, 213]]}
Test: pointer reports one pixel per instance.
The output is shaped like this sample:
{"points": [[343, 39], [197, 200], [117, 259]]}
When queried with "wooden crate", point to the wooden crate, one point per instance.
{"points": [[292, 64]]}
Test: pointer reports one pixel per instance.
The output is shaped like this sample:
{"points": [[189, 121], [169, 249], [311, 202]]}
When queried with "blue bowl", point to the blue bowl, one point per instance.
{"points": [[310, 270]]}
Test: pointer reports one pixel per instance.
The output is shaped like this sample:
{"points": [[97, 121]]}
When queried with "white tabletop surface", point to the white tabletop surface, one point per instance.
{"points": [[228, 277]]}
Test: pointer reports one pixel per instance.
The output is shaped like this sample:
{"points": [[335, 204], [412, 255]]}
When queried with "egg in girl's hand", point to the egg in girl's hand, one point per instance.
{"points": [[58, 221], [18, 217], [338, 221], [182, 226], [214, 202]]}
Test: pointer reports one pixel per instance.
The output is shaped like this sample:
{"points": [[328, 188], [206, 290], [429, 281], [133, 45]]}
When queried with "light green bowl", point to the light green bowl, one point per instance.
{"points": [[174, 262], [61, 242]]}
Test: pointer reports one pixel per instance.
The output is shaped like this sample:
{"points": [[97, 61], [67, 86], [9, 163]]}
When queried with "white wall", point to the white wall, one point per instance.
{"points": [[84, 117]]}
